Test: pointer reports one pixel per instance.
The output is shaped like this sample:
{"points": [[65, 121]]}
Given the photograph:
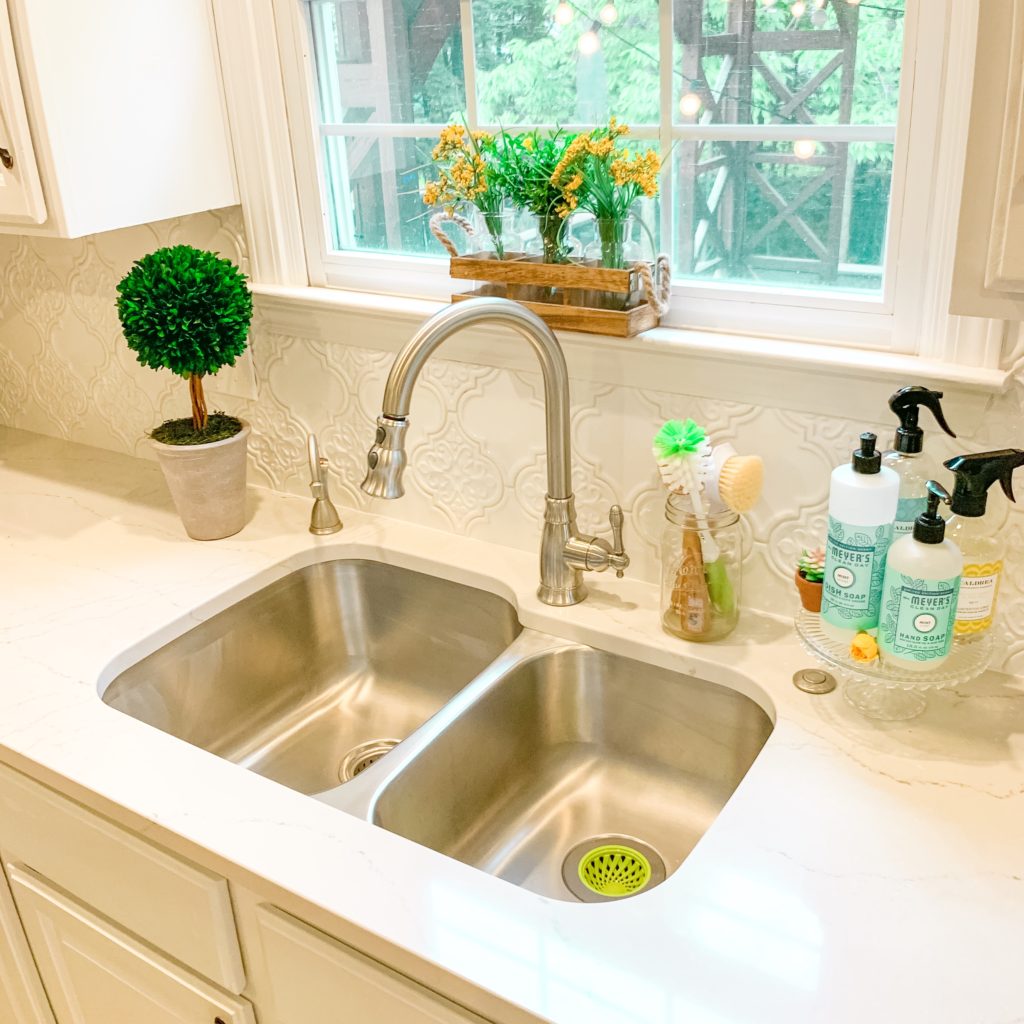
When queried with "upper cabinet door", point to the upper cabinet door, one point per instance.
{"points": [[21, 194], [126, 109], [989, 275]]}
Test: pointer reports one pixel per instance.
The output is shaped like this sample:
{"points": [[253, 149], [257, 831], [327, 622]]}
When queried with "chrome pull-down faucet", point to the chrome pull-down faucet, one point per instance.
{"points": [[564, 553]]}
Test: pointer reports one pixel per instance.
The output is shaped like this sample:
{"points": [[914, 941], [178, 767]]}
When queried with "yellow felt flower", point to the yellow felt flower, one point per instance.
{"points": [[864, 647]]}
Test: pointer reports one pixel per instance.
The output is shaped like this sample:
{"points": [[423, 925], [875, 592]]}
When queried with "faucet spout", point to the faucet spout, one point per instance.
{"points": [[564, 553], [500, 312]]}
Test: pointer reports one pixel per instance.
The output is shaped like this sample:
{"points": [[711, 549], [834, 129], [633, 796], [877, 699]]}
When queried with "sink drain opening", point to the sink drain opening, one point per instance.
{"points": [[606, 868], [360, 757]]}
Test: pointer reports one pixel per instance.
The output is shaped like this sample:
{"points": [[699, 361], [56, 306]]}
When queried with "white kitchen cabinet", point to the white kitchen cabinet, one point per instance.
{"points": [[989, 273], [22, 1000], [112, 114], [96, 974], [313, 979]]}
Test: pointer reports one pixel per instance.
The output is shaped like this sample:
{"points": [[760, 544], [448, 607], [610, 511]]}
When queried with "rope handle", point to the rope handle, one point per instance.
{"points": [[439, 233], [658, 294]]}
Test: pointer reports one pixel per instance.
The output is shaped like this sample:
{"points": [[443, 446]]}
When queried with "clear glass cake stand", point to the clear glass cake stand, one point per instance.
{"points": [[883, 692]]}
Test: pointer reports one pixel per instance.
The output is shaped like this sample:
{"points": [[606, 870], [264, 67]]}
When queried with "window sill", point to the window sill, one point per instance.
{"points": [[734, 367]]}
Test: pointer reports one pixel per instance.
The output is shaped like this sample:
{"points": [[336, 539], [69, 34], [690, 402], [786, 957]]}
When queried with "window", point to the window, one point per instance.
{"points": [[847, 242], [779, 119]]}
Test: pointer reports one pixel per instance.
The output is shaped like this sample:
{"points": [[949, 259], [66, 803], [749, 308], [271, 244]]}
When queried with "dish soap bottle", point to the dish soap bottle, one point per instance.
{"points": [[982, 545], [861, 509], [920, 592], [907, 457]]}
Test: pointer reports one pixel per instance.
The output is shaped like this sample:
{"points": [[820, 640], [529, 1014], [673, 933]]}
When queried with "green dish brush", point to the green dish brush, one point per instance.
{"points": [[683, 454]]}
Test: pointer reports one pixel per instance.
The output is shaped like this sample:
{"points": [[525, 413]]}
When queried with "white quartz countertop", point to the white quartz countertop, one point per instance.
{"points": [[860, 873]]}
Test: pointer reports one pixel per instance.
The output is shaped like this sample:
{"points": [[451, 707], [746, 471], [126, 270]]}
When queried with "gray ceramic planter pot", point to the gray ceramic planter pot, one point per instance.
{"points": [[207, 483]]}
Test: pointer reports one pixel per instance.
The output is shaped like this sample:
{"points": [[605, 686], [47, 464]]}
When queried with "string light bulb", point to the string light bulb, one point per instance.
{"points": [[589, 43], [690, 104], [804, 149], [770, 3], [564, 13], [799, 9], [609, 14]]}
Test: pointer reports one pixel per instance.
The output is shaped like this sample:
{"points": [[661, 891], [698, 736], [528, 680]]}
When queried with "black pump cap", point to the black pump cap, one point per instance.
{"points": [[975, 474], [906, 403], [930, 527], [866, 459]]}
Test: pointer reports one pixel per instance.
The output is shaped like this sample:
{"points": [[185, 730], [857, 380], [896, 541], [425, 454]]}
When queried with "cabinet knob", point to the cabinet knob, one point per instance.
{"points": [[5, 158]]}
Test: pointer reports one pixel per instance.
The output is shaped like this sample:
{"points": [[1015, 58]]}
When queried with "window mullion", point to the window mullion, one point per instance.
{"points": [[666, 50], [469, 62]]}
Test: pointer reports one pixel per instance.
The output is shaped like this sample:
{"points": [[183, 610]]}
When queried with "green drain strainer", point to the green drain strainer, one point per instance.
{"points": [[598, 870], [615, 871]]}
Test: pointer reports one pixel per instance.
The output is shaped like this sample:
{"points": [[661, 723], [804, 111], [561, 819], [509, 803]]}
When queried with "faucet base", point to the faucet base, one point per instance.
{"points": [[560, 597], [561, 584]]}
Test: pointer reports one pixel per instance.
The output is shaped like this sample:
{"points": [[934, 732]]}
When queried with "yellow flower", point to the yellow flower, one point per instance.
{"points": [[430, 193], [601, 147], [573, 152], [528, 143], [864, 647], [483, 138], [450, 141]]}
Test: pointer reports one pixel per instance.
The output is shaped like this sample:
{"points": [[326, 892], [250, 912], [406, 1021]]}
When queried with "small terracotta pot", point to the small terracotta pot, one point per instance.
{"points": [[207, 483], [810, 593]]}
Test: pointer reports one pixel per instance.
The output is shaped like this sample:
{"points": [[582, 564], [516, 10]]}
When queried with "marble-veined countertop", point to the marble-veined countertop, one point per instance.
{"points": [[860, 873]]}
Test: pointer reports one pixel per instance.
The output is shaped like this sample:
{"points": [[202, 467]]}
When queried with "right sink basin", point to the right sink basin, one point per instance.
{"points": [[577, 774]]}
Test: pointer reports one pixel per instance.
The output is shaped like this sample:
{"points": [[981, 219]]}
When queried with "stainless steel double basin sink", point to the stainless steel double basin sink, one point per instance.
{"points": [[424, 707]]}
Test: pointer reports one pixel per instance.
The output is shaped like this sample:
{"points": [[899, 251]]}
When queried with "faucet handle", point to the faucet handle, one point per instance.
{"points": [[618, 559]]}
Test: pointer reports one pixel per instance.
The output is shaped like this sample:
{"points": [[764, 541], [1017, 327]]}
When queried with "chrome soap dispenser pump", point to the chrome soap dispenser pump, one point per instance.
{"points": [[907, 457]]}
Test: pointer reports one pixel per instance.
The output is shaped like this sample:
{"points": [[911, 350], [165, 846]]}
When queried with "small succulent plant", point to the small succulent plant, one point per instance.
{"points": [[812, 564]]}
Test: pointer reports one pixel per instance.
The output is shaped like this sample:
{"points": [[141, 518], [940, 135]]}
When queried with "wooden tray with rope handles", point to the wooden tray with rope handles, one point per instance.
{"points": [[577, 296]]}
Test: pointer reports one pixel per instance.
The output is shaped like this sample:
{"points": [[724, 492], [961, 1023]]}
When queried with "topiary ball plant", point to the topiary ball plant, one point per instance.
{"points": [[188, 311]]}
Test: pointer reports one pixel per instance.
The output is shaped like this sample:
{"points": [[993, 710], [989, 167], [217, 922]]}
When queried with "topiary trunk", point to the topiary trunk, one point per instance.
{"points": [[195, 391]]}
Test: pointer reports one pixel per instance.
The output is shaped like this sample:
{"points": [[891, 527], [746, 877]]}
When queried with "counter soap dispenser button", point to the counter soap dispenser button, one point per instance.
{"points": [[861, 509], [907, 456], [920, 592]]}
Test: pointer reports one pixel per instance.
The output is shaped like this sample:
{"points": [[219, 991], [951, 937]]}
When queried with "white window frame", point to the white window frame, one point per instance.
{"points": [[286, 216]]}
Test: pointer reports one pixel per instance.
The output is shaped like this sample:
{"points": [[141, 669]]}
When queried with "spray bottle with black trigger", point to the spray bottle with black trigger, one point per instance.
{"points": [[982, 545], [907, 457]]}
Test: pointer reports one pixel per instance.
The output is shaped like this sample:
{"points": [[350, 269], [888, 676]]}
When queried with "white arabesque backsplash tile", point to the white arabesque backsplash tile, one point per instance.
{"points": [[476, 442]]}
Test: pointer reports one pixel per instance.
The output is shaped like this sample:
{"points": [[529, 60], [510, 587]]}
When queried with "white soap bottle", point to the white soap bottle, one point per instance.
{"points": [[861, 509], [920, 592]]}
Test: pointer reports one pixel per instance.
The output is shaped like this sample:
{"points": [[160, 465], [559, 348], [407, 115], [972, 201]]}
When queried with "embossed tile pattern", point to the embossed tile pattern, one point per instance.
{"points": [[476, 443]]}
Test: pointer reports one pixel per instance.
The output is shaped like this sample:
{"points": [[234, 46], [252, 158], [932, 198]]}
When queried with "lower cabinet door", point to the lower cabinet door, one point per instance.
{"points": [[314, 979], [96, 974], [22, 1000]]}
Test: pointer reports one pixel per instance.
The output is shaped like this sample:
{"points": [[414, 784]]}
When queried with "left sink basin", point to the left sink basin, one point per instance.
{"points": [[314, 677]]}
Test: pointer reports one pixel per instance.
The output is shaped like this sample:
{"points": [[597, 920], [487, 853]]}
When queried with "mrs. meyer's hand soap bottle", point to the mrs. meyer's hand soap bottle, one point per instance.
{"points": [[919, 596], [861, 509]]}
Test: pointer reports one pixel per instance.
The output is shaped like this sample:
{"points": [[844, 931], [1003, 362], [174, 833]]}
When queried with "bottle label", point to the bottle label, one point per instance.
{"points": [[854, 568], [917, 616], [907, 512], [978, 591]]}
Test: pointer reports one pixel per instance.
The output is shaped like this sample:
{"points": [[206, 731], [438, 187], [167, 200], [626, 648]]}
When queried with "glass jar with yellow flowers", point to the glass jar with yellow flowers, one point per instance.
{"points": [[528, 163], [598, 175], [469, 172]]}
